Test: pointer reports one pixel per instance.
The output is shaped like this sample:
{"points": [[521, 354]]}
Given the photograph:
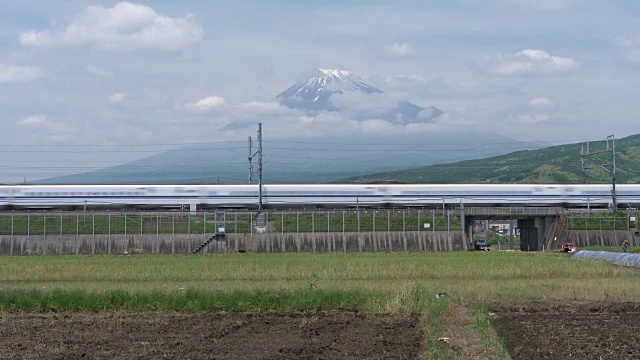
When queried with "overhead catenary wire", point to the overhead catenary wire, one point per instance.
{"points": [[243, 142], [48, 169]]}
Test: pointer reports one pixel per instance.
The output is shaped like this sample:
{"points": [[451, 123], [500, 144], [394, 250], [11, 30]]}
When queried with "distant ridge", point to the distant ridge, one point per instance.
{"points": [[319, 160], [555, 164]]}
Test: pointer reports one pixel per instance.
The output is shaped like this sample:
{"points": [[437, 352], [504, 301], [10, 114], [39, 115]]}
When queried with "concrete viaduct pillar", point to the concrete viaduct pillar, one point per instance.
{"points": [[533, 231]]}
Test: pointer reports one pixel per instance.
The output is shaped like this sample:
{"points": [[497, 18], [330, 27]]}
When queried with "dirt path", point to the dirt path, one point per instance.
{"points": [[569, 330], [152, 335], [472, 342]]}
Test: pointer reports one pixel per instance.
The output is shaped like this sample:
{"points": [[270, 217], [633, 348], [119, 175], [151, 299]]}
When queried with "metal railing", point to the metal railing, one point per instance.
{"points": [[92, 223], [512, 211], [588, 222]]}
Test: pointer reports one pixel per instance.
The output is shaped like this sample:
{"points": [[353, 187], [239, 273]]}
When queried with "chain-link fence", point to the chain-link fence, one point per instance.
{"points": [[609, 221], [505, 243], [64, 223]]}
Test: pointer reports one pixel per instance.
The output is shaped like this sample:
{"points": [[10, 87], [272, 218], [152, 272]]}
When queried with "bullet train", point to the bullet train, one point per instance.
{"points": [[320, 195]]}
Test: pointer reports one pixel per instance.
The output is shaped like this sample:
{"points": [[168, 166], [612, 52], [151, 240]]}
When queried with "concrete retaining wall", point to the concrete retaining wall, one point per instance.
{"points": [[263, 243], [585, 238]]}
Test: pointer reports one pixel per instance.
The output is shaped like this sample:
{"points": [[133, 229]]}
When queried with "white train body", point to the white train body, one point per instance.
{"points": [[328, 195]]}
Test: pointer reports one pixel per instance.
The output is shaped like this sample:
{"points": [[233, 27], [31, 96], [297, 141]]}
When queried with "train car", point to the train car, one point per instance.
{"points": [[321, 195]]}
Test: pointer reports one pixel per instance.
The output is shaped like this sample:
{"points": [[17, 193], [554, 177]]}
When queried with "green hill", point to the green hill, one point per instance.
{"points": [[556, 164]]}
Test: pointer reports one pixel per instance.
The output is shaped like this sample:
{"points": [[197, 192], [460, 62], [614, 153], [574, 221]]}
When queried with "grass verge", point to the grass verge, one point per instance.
{"points": [[488, 336], [195, 300], [631, 250]]}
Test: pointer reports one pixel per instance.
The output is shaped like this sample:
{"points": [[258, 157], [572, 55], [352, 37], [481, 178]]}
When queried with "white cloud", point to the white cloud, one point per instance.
{"points": [[547, 4], [541, 103], [116, 98], [408, 85], [57, 130], [629, 49], [353, 104], [10, 74], [428, 114], [532, 119], [34, 121], [406, 80], [263, 108], [205, 105], [539, 110], [99, 72], [530, 62], [399, 50], [125, 26]]}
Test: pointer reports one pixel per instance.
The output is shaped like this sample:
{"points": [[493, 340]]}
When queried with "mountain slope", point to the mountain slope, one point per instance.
{"points": [[556, 164], [314, 160]]}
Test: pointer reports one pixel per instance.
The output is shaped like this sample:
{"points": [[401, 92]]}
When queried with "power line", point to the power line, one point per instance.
{"points": [[560, 142], [121, 145]]}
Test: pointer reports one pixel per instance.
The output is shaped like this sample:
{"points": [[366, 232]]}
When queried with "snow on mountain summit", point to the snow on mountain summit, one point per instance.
{"points": [[314, 92], [334, 72]]}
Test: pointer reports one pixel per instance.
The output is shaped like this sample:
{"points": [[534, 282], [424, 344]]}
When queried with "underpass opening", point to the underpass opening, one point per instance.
{"points": [[535, 226]]}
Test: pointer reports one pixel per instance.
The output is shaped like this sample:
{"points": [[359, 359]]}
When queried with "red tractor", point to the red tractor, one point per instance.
{"points": [[569, 247]]}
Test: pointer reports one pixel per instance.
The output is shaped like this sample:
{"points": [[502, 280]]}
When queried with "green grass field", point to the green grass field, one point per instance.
{"points": [[482, 276], [394, 282]]}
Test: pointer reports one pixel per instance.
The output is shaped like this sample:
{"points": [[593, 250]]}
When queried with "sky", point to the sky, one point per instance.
{"points": [[88, 84]]}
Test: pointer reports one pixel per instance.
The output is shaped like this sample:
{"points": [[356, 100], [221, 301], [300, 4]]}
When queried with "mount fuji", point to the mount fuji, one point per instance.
{"points": [[315, 158], [322, 92]]}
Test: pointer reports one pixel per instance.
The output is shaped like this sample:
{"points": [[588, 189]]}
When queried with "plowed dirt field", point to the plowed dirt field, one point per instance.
{"points": [[155, 335], [569, 330]]}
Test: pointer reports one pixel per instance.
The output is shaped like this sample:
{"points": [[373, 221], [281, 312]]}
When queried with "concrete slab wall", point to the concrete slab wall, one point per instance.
{"points": [[262, 243], [585, 238]]}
